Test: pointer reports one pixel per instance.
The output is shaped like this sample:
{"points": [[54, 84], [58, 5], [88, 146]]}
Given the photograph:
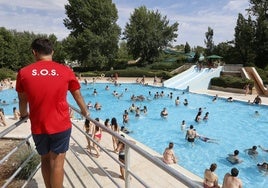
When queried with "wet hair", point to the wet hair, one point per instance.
{"points": [[234, 172], [236, 152], [170, 146], [213, 167], [42, 46], [191, 126], [254, 147]]}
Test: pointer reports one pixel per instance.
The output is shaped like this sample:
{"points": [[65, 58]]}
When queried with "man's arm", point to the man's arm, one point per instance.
{"points": [[80, 102], [23, 104]]}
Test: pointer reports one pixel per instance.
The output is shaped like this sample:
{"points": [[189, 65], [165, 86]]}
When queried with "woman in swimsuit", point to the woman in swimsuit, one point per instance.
{"points": [[89, 130], [121, 156], [168, 155], [97, 138], [116, 129], [210, 178]]}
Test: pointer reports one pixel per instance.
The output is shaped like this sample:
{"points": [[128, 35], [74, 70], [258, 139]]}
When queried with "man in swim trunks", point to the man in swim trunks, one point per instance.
{"points": [[191, 134], [43, 86]]}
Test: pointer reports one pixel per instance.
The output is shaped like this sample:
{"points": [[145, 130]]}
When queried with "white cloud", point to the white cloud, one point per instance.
{"points": [[236, 5], [194, 18]]}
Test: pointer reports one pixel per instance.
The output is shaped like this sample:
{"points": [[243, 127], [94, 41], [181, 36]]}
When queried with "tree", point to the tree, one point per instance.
{"points": [[259, 9], [244, 39], [8, 51], [187, 48], [94, 33], [148, 33], [122, 52], [209, 42], [228, 52]]}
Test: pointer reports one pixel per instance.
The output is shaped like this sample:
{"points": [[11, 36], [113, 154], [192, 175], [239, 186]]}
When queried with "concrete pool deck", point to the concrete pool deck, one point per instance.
{"points": [[155, 176]]}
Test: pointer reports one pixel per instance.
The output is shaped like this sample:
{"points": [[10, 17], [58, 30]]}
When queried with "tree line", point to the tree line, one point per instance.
{"points": [[97, 42]]}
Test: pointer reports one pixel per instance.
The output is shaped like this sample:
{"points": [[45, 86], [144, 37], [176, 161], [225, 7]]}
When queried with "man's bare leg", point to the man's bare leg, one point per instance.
{"points": [[45, 168], [57, 169]]}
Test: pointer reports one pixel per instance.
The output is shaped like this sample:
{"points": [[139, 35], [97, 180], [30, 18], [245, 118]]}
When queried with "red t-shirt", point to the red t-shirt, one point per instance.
{"points": [[46, 84]]}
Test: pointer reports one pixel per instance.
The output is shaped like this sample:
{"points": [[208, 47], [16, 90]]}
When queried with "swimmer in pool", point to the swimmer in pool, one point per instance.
{"points": [[164, 113], [191, 134], [252, 151], [233, 158]]}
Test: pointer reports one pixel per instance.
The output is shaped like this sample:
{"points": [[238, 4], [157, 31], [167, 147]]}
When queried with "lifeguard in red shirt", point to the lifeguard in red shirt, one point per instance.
{"points": [[43, 85]]}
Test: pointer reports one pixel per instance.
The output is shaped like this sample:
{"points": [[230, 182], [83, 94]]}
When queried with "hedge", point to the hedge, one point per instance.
{"points": [[130, 73], [232, 82]]}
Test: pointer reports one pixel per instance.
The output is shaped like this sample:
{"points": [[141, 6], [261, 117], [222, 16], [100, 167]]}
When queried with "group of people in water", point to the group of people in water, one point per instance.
{"points": [[210, 177]]}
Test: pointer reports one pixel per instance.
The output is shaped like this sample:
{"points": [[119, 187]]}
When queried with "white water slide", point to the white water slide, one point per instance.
{"points": [[193, 79]]}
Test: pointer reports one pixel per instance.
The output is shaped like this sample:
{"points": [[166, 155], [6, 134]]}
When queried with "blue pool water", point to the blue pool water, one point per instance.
{"points": [[234, 125]]}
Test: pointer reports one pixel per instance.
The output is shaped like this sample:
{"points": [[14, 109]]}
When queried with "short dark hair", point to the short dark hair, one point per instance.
{"points": [[213, 167], [171, 144], [234, 172], [43, 46], [236, 152]]}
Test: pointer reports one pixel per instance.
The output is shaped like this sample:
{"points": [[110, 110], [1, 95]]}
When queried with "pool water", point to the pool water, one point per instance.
{"points": [[233, 124]]}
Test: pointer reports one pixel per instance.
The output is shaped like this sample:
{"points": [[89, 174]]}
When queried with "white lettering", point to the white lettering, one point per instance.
{"points": [[53, 72], [34, 72], [44, 72]]}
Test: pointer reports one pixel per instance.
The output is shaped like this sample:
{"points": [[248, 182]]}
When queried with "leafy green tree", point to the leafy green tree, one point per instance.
{"points": [[23, 42], [8, 52], [123, 52], [228, 52], [147, 33], [60, 54], [244, 39], [187, 48], [196, 56], [209, 41], [259, 9], [94, 33]]}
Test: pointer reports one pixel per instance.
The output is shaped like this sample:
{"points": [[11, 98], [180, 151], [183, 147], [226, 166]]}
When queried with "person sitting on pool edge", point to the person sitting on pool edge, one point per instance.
{"points": [[191, 134], [231, 180], [257, 100], [168, 155], [252, 151], [233, 158], [210, 178]]}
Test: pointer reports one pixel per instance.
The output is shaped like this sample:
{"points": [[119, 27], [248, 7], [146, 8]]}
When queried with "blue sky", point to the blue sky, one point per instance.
{"points": [[194, 16]]}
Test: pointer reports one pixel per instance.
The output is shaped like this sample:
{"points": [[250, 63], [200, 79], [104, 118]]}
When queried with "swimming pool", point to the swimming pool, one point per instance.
{"points": [[234, 125]]}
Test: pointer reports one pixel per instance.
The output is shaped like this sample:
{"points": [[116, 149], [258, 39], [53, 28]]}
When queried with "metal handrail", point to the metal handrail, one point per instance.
{"points": [[13, 126], [112, 157], [180, 177], [128, 145]]}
